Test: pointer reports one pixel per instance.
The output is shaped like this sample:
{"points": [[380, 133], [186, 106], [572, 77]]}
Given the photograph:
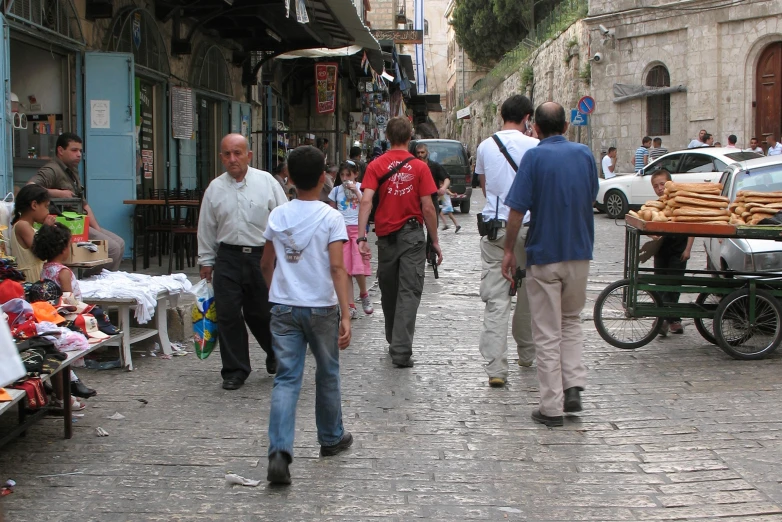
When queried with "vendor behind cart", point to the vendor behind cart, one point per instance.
{"points": [[670, 256]]}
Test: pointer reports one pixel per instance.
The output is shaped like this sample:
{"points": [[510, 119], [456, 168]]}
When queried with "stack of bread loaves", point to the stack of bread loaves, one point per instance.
{"points": [[750, 208], [696, 203], [651, 211]]}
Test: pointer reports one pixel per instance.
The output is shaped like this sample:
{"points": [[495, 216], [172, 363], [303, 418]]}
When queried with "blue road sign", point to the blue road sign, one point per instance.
{"points": [[586, 105], [577, 119]]}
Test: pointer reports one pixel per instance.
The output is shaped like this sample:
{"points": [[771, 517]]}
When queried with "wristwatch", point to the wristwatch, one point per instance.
{"points": [[360, 239]]}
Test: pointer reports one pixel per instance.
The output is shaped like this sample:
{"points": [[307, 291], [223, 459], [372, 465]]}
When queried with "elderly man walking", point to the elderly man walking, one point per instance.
{"points": [[231, 225], [557, 182], [405, 187]]}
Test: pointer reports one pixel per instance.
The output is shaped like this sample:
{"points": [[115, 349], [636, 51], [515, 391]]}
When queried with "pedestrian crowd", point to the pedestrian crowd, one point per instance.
{"points": [[283, 267], [651, 149]]}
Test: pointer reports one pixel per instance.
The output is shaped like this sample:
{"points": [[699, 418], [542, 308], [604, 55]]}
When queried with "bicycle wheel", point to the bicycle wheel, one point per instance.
{"points": [[615, 324], [742, 338], [705, 327]]}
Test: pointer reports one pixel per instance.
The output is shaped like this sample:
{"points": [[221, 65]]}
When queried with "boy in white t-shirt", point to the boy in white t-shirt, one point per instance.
{"points": [[308, 288], [346, 198]]}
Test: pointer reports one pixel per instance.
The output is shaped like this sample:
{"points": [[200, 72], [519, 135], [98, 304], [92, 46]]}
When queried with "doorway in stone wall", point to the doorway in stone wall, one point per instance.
{"points": [[768, 93]]}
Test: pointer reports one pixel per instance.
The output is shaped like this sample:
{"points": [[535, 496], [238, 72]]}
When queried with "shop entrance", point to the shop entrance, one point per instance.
{"points": [[768, 114], [207, 146]]}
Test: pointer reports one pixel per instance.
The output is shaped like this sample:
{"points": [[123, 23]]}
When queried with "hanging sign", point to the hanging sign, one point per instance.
{"points": [[182, 113], [326, 87], [137, 30]]}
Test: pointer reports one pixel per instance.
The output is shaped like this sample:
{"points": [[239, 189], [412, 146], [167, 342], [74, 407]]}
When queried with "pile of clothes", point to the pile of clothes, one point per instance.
{"points": [[46, 325]]}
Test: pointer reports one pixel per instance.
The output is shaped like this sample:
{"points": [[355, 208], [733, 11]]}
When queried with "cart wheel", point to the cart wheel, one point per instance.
{"points": [[705, 327], [615, 325], [742, 339]]}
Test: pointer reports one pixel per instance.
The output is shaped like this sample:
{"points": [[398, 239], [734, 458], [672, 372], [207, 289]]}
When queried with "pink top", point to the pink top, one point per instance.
{"points": [[51, 270]]}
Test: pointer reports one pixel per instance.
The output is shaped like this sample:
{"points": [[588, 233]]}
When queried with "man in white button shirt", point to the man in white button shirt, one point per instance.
{"points": [[774, 147], [609, 163], [231, 224], [497, 173]]}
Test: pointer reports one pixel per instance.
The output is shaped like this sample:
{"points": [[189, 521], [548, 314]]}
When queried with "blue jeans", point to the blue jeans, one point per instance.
{"points": [[292, 329]]}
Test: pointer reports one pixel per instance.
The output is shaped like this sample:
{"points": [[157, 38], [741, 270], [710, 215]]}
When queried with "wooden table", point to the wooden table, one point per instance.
{"points": [[17, 396], [84, 265], [144, 212], [162, 202]]}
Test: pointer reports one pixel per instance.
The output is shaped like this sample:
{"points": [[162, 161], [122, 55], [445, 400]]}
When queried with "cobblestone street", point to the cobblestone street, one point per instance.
{"points": [[676, 430]]}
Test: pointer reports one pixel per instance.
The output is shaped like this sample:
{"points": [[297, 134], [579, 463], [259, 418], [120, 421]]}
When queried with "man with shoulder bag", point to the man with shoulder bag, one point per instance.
{"points": [[498, 159], [401, 187]]}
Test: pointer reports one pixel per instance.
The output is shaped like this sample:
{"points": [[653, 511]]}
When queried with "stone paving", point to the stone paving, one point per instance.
{"points": [[676, 430]]}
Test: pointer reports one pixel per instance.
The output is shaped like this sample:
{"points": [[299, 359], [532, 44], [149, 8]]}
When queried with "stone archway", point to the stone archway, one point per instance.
{"points": [[768, 92]]}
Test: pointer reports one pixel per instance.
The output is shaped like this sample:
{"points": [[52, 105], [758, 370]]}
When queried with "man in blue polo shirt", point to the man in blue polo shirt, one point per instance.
{"points": [[557, 182]]}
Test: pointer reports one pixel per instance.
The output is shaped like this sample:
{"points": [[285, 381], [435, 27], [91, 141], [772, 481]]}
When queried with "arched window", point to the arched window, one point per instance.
{"points": [[210, 71], [135, 30], [658, 107]]}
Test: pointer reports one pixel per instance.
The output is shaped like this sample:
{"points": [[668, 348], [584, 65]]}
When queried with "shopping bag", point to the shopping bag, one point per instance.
{"points": [[204, 319], [11, 366], [6, 215]]}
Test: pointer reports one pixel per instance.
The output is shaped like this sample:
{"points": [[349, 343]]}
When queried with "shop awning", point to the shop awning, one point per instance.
{"points": [[624, 92], [323, 52], [262, 25], [429, 101]]}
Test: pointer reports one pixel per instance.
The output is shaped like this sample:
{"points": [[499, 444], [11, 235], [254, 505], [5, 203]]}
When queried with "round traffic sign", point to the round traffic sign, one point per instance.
{"points": [[586, 105]]}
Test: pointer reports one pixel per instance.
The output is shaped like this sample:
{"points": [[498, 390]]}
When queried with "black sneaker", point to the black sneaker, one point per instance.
{"points": [[405, 364], [278, 472], [271, 364], [551, 422], [339, 447]]}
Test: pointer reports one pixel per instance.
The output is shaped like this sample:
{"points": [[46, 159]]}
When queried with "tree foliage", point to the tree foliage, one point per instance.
{"points": [[487, 29]]}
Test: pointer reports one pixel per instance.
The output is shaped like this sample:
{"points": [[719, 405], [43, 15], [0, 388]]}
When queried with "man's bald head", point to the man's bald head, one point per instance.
{"points": [[550, 120], [235, 155], [235, 138]]}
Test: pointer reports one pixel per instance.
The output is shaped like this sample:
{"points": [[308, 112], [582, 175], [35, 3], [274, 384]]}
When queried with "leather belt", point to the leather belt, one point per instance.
{"points": [[242, 249]]}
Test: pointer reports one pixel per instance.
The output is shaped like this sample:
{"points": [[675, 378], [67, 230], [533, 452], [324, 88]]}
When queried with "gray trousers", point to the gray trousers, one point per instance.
{"points": [[493, 343], [558, 293], [401, 261], [116, 250]]}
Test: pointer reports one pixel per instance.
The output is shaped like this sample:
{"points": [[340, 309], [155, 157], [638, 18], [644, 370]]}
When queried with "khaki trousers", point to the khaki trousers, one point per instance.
{"points": [[494, 292], [558, 293]]}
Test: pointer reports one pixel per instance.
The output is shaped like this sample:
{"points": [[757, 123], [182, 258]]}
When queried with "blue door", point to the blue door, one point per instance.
{"points": [[110, 140], [6, 160]]}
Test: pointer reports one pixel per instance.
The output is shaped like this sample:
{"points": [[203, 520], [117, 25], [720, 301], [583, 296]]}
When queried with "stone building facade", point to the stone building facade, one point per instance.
{"points": [[556, 71], [461, 73], [729, 60]]}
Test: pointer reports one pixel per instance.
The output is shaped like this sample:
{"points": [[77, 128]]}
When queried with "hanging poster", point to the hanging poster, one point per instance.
{"points": [[182, 118], [326, 87], [100, 114]]}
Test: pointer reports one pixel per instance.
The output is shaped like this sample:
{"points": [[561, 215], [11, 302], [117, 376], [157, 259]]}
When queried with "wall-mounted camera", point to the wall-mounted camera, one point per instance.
{"points": [[597, 58]]}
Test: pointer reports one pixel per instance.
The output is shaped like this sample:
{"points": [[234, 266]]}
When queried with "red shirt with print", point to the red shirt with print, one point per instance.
{"points": [[400, 196]]}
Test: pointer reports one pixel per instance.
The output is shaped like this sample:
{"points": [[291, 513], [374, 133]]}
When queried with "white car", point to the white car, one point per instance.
{"points": [[624, 192], [747, 255]]}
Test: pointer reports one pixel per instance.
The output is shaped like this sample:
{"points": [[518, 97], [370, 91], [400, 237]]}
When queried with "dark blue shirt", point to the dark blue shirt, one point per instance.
{"points": [[557, 183]]}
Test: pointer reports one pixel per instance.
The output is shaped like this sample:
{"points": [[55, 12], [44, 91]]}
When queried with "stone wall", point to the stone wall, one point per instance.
{"points": [[559, 68]]}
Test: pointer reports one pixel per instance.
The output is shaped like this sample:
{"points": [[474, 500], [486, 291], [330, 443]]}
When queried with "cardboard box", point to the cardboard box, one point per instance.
{"points": [[78, 224], [82, 255]]}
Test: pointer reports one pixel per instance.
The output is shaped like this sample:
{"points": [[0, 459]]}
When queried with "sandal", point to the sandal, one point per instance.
{"points": [[75, 404]]}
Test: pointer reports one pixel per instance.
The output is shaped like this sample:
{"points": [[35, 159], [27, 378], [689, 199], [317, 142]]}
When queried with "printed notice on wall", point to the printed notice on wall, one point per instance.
{"points": [[182, 113], [100, 114]]}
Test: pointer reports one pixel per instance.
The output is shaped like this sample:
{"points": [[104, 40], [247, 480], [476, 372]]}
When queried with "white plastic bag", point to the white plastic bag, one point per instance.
{"points": [[6, 215]]}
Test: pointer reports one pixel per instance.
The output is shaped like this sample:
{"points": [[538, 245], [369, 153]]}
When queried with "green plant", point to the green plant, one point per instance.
{"points": [[527, 77], [569, 51], [586, 74], [490, 111]]}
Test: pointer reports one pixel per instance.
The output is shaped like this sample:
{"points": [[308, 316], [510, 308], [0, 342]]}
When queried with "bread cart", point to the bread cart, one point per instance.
{"points": [[738, 311]]}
